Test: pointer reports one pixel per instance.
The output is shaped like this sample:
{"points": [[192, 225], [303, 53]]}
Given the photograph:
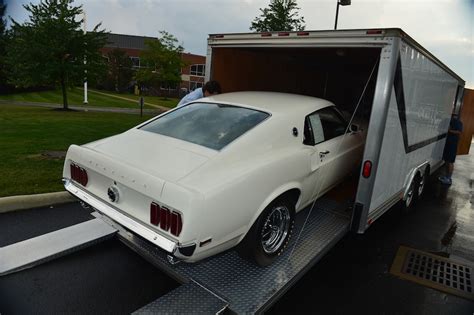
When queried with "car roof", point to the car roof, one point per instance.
{"points": [[272, 102]]}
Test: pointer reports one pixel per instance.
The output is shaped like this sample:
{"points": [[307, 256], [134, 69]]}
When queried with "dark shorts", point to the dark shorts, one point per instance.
{"points": [[449, 154]]}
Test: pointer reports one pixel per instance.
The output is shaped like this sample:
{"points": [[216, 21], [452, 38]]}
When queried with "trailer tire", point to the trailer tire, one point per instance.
{"points": [[421, 184], [409, 201], [270, 233]]}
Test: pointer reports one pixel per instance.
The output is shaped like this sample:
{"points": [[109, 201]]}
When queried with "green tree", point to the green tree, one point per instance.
{"points": [[281, 15], [3, 41], [119, 71], [49, 49], [162, 62]]}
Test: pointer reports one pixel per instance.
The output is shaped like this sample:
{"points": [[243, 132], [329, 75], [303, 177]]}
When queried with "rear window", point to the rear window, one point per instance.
{"points": [[211, 125]]}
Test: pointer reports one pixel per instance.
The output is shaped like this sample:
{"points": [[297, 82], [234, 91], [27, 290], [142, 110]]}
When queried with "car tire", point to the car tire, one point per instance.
{"points": [[270, 233]]}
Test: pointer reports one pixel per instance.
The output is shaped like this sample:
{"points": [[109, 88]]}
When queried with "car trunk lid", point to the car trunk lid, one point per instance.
{"points": [[163, 157]]}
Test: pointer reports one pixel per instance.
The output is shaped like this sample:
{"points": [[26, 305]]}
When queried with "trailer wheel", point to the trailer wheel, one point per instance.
{"points": [[421, 184], [410, 197], [270, 234]]}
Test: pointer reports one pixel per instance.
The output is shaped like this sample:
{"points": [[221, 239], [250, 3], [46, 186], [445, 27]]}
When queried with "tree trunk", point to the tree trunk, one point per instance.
{"points": [[64, 89]]}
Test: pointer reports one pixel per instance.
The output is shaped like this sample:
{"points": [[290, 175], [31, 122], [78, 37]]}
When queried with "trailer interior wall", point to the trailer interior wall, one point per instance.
{"points": [[336, 74]]}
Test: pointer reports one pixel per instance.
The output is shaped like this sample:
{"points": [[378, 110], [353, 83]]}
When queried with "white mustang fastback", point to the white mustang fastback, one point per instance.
{"points": [[231, 169]]}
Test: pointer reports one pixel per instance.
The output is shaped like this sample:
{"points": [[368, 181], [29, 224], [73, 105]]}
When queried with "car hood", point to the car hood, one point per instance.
{"points": [[161, 156]]}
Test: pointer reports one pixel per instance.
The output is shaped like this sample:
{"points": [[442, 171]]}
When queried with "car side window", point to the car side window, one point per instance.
{"points": [[317, 128], [333, 124], [323, 125]]}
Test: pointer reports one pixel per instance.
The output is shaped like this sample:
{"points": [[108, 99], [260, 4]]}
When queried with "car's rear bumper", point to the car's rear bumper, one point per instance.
{"points": [[127, 222]]}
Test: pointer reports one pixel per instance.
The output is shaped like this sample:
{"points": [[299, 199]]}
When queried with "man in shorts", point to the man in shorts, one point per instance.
{"points": [[451, 147]]}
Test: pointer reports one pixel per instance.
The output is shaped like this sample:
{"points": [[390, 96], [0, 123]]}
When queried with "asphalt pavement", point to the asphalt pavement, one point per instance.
{"points": [[352, 278]]}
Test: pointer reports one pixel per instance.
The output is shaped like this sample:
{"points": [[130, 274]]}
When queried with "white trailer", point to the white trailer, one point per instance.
{"points": [[408, 101], [383, 76]]}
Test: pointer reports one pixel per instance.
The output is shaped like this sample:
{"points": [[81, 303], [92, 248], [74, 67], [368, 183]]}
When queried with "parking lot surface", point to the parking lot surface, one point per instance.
{"points": [[353, 277]]}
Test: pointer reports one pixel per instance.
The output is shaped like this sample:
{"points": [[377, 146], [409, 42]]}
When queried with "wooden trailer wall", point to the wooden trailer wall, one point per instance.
{"points": [[467, 118]]}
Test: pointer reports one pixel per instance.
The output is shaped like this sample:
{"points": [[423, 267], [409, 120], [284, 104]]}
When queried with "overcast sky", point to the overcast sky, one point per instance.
{"points": [[444, 27]]}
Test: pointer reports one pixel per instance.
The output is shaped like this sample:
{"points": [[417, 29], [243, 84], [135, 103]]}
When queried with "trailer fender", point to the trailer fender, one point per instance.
{"points": [[420, 170]]}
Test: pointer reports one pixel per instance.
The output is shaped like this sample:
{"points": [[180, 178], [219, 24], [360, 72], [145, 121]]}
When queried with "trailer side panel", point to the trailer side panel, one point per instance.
{"points": [[419, 113]]}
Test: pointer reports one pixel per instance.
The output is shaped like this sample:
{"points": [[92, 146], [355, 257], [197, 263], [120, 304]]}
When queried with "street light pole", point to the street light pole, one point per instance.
{"points": [[85, 63], [343, 3]]}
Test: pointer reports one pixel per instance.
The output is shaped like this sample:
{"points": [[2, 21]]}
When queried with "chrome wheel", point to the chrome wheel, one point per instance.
{"points": [[275, 229]]}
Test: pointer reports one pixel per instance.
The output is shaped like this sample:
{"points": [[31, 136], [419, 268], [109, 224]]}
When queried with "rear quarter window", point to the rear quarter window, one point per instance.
{"points": [[211, 125]]}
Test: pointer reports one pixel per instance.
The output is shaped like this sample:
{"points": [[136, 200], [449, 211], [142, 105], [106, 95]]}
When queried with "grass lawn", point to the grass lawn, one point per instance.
{"points": [[76, 97], [26, 132]]}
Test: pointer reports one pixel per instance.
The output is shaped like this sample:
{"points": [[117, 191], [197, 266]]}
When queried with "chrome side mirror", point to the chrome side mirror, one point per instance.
{"points": [[354, 128]]}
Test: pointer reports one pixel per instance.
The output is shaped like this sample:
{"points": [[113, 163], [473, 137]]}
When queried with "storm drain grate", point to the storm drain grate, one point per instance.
{"points": [[434, 271]]}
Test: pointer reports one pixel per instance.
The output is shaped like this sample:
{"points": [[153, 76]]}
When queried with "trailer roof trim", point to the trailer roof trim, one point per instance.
{"points": [[353, 37]]}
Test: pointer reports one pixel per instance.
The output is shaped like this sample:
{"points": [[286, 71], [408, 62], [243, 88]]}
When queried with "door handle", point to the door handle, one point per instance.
{"points": [[323, 153]]}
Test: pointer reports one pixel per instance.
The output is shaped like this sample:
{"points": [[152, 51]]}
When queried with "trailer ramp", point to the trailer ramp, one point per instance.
{"points": [[245, 287], [178, 302], [37, 250]]}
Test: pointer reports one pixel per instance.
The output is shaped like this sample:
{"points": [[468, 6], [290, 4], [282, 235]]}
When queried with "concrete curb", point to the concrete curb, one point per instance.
{"points": [[22, 202]]}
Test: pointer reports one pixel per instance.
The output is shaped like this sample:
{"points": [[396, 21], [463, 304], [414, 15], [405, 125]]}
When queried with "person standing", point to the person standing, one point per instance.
{"points": [[210, 88], [450, 148]]}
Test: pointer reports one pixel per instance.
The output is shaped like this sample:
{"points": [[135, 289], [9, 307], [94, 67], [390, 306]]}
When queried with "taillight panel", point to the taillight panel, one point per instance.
{"points": [[175, 225], [166, 219], [79, 174], [154, 213]]}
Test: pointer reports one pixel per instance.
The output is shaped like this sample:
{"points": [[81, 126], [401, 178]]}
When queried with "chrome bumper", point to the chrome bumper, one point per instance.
{"points": [[115, 215]]}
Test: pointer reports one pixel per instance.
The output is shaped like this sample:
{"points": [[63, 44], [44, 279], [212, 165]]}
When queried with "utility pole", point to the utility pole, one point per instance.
{"points": [[343, 3], [85, 62]]}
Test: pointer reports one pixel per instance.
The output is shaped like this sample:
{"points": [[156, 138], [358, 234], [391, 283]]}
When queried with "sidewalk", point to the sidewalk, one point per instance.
{"points": [[127, 99], [88, 108]]}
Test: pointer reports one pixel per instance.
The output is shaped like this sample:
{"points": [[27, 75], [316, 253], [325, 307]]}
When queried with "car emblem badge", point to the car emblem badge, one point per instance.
{"points": [[113, 194]]}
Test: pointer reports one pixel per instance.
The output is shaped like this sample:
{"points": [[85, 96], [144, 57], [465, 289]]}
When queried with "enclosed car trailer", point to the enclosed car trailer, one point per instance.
{"points": [[408, 101], [382, 76]]}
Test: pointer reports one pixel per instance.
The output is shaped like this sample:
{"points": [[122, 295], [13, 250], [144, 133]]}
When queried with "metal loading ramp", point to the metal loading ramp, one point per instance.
{"points": [[40, 249], [222, 282], [245, 287]]}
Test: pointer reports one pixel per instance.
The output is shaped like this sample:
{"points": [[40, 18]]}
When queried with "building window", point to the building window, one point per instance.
{"points": [[198, 70], [135, 62], [195, 85]]}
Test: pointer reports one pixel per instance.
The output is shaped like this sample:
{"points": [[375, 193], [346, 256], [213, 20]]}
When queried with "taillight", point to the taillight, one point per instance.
{"points": [[166, 219], [176, 223], [79, 174], [367, 169], [154, 214]]}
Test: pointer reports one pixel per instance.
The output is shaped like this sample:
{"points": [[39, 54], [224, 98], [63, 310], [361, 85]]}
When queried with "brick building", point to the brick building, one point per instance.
{"points": [[192, 75]]}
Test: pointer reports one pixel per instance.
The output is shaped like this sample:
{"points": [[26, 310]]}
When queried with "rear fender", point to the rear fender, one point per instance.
{"points": [[273, 196]]}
